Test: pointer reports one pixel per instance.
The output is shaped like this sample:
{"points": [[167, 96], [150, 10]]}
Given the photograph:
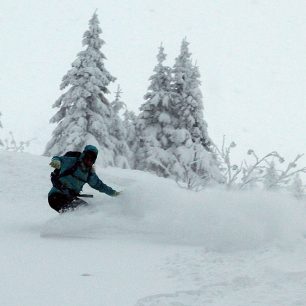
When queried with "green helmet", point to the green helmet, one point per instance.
{"points": [[91, 151]]}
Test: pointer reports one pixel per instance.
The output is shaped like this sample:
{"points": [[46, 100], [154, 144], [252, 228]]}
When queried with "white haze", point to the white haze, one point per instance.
{"points": [[251, 55]]}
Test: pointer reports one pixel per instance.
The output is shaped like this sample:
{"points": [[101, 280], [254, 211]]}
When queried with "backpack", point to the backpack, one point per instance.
{"points": [[73, 154], [55, 175]]}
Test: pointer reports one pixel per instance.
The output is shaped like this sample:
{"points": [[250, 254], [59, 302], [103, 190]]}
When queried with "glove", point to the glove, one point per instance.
{"points": [[55, 164], [116, 193]]}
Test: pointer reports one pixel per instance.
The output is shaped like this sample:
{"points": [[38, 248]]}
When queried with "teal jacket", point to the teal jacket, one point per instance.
{"points": [[80, 177]]}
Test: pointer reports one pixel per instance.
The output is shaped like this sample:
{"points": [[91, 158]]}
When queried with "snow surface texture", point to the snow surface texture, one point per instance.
{"points": [[156, 244]]}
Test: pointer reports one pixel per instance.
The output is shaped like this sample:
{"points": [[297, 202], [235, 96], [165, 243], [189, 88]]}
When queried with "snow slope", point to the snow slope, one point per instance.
{"points": [[157, 244]]}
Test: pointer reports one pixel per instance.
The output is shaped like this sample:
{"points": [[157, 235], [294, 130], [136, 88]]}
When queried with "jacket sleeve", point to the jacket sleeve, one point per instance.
{"points": [[64, 159], [66, 162], [57, 158], [97, 184]]}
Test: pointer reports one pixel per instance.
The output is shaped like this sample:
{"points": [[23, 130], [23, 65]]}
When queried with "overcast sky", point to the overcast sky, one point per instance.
{"points": [[251, 54]]}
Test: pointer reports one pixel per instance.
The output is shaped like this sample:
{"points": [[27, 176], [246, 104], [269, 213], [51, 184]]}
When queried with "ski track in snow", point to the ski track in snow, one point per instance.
{"points": [[156, 245], [236, 279]]}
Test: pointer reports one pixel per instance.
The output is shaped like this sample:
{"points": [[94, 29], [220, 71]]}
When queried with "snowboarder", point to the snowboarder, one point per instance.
{"points": [[71, 172]]}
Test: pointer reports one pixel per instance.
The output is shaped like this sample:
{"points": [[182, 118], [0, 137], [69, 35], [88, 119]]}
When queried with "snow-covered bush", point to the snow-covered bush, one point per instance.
{"points": [[264, 172], [297, 187], [9, 143]]}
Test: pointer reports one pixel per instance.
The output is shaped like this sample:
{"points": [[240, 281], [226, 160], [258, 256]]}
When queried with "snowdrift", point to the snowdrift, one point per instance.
{"points": [[155, 209], [148, 246]]}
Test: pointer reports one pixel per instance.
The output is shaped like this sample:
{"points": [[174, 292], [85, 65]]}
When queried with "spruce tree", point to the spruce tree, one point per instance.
{"points": [[84, 114], [155, 123], [188, 96], [118, 105], [122, 153], [129, 124], [194, 150]]}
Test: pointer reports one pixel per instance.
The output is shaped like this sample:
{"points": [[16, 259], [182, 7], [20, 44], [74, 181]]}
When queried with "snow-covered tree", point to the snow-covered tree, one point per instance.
{"points": [[129, 124], [188, 96], [155, 123], [171, 132], [123, 154], [156, 109], [118, 105], [188, 106], [84, 114]]}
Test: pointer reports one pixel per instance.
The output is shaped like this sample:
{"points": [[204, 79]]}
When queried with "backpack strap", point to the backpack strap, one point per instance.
{"points": [[55, 175]]}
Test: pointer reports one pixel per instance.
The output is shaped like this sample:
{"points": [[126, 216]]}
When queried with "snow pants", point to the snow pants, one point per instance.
{"points": [[62, 202]]}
